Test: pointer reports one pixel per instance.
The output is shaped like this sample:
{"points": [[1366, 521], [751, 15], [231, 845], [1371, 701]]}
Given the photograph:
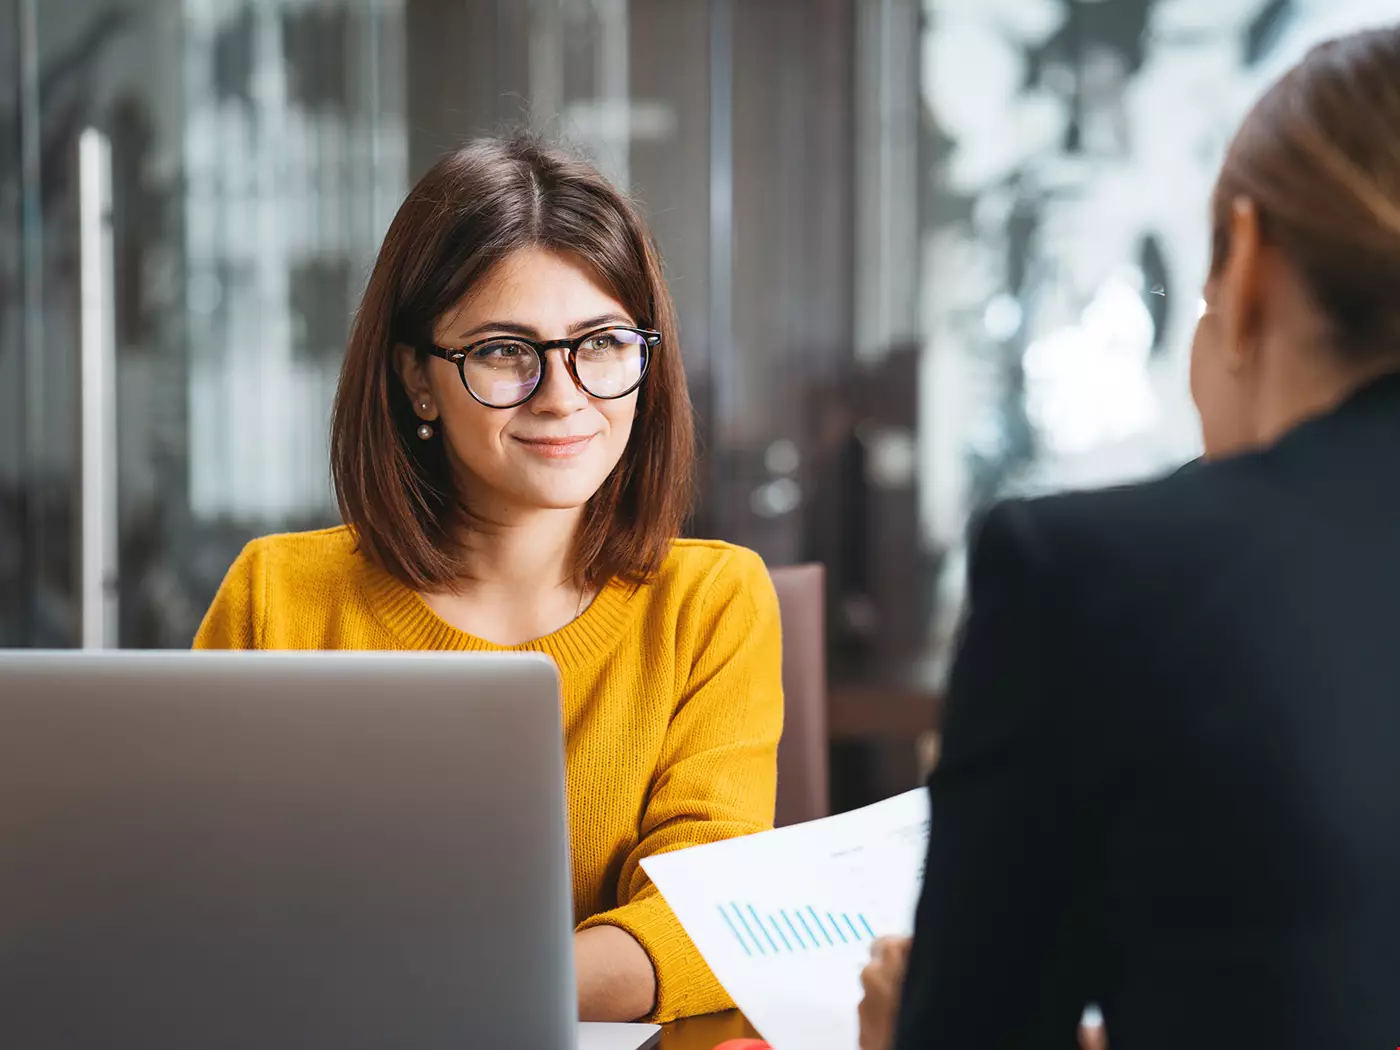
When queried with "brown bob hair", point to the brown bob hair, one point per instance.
{"points": [[473, 209], [1320, 159]]}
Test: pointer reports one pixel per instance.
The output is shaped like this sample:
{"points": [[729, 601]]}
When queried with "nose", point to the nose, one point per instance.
{"points": [[558, 394]]}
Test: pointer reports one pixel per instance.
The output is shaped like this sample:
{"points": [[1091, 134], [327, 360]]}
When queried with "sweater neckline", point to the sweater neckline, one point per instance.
{"points": [[595, 631]]}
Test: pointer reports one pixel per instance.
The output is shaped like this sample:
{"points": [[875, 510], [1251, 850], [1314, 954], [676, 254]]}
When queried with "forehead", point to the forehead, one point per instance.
{"points": [[549, 292]]}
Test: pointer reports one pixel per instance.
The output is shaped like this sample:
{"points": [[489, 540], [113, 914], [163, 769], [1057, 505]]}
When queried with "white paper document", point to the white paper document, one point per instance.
{"points": [[785, 919]]}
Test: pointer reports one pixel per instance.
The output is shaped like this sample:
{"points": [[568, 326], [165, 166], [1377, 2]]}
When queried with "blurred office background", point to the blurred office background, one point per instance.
{"points": [[926, 253]]}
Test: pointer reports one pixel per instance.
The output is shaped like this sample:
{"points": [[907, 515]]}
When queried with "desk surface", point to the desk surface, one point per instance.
{"points": [[704, 1033]]}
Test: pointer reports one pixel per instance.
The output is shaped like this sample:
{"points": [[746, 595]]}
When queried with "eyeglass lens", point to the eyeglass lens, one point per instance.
{"points": [[504, 372]]}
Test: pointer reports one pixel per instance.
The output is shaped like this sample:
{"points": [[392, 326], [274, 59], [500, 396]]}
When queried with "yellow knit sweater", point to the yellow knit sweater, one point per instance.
{"points": [[672, 708]]}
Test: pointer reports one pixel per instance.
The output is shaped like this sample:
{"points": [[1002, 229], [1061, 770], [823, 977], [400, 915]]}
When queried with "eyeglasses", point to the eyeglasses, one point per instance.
{"points": [[506, 372]]}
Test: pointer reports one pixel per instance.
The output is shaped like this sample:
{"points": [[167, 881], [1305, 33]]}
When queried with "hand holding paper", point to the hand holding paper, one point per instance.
{"points": [[786, 919]]}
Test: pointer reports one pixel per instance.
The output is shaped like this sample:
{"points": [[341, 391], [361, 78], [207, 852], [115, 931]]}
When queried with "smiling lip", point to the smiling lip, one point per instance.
{"points": [[556, 447]]}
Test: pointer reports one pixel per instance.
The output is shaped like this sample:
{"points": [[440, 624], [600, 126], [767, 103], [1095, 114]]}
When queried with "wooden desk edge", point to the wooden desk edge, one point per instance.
{"points": [[707, 1032]]}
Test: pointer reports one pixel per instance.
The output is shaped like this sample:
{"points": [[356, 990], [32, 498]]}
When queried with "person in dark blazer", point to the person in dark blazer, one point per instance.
{"points": [[1170, 781]]}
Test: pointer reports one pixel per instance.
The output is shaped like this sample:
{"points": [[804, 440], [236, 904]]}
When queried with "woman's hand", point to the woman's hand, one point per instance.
{"points": [[1092, 1037], [616, 981], [883, 981]]}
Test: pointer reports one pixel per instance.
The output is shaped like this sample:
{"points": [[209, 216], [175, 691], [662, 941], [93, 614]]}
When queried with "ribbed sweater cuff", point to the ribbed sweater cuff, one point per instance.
{"points": [[684, 985]]}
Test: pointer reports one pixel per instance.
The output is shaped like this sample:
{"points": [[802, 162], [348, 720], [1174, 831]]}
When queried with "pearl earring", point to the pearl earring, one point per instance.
{"points": [[425, 431]]}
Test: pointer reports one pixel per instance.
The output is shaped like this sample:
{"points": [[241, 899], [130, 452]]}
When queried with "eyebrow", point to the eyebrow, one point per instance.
{"points": [[514, 328]]}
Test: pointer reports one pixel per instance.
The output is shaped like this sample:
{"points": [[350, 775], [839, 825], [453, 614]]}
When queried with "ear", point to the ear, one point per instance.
{"points": [[410, 366], [1240, 290]]}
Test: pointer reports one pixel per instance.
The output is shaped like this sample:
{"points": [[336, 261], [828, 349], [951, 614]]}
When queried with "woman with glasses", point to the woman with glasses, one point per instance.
{"points": [[511, 450]]}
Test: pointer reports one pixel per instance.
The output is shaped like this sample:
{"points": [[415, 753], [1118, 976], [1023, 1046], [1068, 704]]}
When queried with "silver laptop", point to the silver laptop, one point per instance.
{"points": [[225, 851]]}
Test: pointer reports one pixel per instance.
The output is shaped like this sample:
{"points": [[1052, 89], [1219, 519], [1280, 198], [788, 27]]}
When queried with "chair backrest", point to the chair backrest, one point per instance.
{"points": [[803, 792]]}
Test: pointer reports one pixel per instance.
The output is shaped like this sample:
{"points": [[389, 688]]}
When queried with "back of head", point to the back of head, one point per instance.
{"points": [[1320, 158]]}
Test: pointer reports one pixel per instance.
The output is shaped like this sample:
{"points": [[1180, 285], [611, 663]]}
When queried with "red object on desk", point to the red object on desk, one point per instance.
{"points": [[743, 1044]]}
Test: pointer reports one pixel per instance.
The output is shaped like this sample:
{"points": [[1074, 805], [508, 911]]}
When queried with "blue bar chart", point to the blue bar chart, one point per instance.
{"points": [[786, 931]]}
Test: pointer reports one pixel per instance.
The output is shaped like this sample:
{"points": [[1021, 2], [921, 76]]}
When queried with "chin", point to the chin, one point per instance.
{"points": [[557, 497], [559, 486]]}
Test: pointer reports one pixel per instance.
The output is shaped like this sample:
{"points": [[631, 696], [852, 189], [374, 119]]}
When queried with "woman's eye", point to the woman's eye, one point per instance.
{"points": [[601, 342], [499, 350]]}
